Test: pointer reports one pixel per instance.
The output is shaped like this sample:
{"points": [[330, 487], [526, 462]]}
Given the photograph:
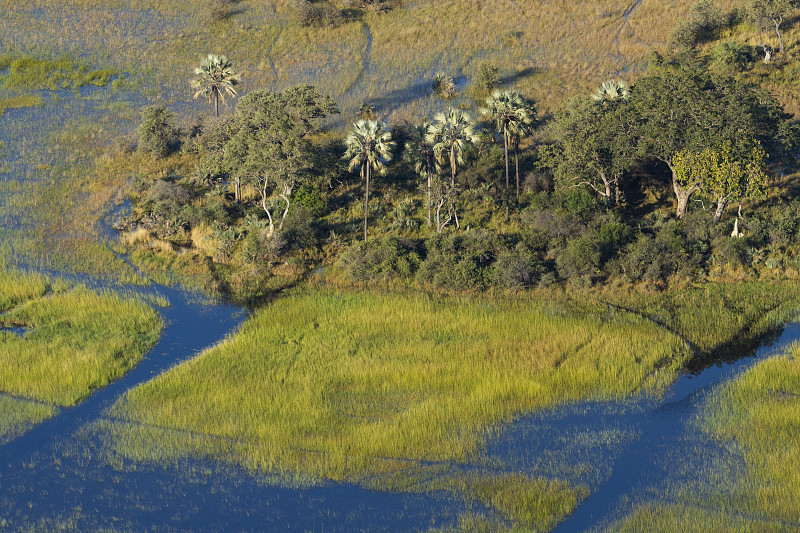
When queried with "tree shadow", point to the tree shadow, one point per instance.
{"points": [[424, 87]]}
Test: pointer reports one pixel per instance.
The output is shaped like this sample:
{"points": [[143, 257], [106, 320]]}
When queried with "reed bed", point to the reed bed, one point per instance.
{"points": [[76, 341], [341, 385]]}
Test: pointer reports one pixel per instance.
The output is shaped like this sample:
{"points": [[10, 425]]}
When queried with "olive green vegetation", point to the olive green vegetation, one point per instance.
{"points": [[759, 413], [32, 73], [19, 101]]}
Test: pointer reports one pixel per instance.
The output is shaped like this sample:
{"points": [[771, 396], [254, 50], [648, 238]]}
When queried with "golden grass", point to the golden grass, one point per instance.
{"points": [[18, 416]]}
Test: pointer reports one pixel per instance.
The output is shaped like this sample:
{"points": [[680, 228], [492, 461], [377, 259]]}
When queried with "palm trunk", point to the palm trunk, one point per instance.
{"points": [[429, 190], [237, 189], [516, 166], [453, 182], [366, 203], [505, 151], [216, 104]]}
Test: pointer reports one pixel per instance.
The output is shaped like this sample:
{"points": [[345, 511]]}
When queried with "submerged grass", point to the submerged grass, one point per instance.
{"points": [[344, 385], [18, 416], [759, 412]]}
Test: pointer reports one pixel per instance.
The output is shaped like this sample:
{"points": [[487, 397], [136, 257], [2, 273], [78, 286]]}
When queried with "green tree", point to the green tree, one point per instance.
{"points": [[266, 143], [678, 106], [369, 147], [158, 134], [769, 14], [420, 153], [451, 133], [215, 79], [593, 146], [724, 174], [510, 113]]}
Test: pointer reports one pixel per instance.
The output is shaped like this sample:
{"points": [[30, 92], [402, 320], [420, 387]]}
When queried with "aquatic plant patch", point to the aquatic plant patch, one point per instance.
{"points": [[342, 385], [76, 341]]}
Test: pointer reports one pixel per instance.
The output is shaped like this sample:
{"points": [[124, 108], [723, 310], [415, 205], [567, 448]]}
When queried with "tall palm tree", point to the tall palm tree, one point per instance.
{"points": [[450, 134], [611, 91], [215, 78], [507, 109], [519, 130], [420, 152], [369, 146]]}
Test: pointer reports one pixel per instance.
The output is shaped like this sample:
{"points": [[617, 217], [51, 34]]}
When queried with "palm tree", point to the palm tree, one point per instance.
{"points": [[520, 129], [369, 145], [216, 77], [450, 134], [611, 91], [420, 152], [509, 111]]}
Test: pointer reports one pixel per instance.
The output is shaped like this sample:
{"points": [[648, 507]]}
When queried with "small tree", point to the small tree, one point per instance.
{"points": [[215, 79], [158, 134], [769, 14], [369, 146]]}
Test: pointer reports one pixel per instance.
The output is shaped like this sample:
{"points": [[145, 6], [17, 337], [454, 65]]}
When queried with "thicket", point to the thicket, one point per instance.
{"points": [[264, 197]]}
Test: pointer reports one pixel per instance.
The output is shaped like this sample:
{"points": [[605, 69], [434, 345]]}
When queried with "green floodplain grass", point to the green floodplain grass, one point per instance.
{"points": [[759, 412], [391, 390], [78, 341]]}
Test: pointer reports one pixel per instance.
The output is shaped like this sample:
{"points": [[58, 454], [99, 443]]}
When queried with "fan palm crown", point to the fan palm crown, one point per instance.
{"points": [[369, 147], [611, 91], [215, 79], [450, 134]]}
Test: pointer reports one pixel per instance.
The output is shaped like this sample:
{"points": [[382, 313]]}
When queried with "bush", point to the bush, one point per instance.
{"points": [[516, 269], [705, 19], [165, 191], [319, 14], [299, 229], [312, 199], [460, 261], [656, 258], [579, 261], [158, 134], [731, 251], [731, 55], [380, 258]]}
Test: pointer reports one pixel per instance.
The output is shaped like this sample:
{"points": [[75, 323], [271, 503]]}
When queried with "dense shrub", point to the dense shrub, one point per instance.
{"points": [[705, 19], [730, 55], [299, 229], [312, 199], [657, 258], [516, 268], [319, 14], [731, 251], [579, 260], [460, 260], [165, 191], [381, 257], [158, 134]]}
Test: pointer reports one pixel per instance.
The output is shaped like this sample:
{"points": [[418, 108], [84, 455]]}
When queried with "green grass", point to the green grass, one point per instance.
{"points": [[341, 385], [78, 341], [711, 315], [18, 416], [759, 413], [19, 101], [32, 73]]}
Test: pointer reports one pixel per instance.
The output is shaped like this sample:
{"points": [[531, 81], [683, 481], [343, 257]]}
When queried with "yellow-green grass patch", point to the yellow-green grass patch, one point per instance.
{"points": [[345, 385], [18, 416], [77, 341]]}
